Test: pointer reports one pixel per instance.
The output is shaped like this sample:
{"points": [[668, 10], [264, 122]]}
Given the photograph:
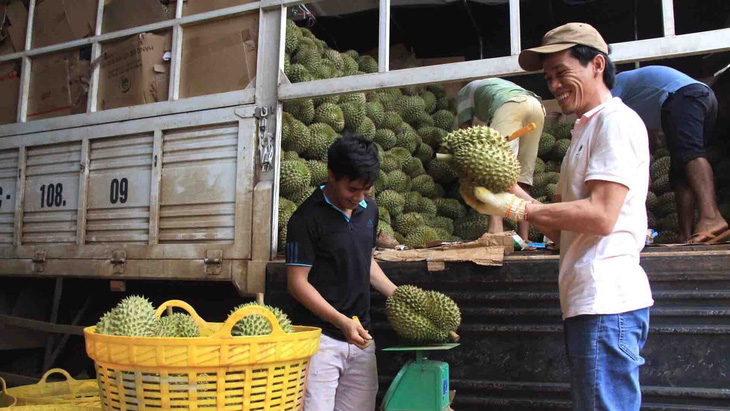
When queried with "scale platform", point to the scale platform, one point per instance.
{"points": [[422, 384]]}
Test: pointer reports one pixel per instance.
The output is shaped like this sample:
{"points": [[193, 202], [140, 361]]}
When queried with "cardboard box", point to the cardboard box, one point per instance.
{"points": [[14, 26], [9, 89], [133, 71], [201, 6], [219, 56], [58, 85], [58, 21], [50, 94], [123, 14]]}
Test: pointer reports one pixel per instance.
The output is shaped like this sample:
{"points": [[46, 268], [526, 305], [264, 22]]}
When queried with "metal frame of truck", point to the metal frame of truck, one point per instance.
{"points": [[251, 114]]}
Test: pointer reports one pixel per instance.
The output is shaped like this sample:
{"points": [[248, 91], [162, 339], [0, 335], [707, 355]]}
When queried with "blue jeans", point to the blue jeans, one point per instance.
{"points": [[604, 356]]}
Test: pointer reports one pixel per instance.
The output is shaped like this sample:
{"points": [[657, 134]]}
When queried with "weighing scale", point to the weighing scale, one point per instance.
{"points": [[420, 385]]}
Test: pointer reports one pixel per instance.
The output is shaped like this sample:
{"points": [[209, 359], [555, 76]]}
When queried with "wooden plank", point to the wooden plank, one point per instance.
{"points": [[9, 320], [19, 198], [155, 181], [83, 195], [245, 175]]}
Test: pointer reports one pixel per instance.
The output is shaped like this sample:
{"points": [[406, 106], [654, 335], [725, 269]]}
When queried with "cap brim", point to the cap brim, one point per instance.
{"points": [[529, 59]]}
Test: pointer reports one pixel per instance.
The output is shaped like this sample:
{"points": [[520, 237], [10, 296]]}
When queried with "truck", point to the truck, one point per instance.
{"points": [[140, 149]]}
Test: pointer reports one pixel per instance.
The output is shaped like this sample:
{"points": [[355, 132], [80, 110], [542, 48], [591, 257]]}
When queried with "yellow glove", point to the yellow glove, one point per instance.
{"points": [[503, 204]]}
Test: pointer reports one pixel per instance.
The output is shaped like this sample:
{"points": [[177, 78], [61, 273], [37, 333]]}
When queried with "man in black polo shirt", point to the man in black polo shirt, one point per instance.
{"points": [[329, 254]]}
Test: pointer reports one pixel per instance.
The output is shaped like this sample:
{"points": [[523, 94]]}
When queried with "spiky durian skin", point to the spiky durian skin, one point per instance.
{"points": [[421, 316], [547, 142], [295, 176], [254, 324], [330, 114], [482, 157], [421, 236], [134, 316], [179, 325], [392, 201]]}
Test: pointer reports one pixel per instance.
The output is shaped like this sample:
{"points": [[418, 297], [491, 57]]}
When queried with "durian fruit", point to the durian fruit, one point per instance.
{"points": [[444, 120], [443, 223], [254, 324], [367, 64], [318, 171], [385, 227], [552, 166], [383, 214], [375, 112], [425, 185], [302, 110], [441, 172], [354, 113], [547, 141], [391, 201], [349, 65], [472, 226], [420, 236], [298, 197], [539, 166], [410, 107], [322, 137], [413, 167], [422, 316], [666, 205], [330, 114], [134, 316], [179, 325], [385, 137], [412, 201], [561, 147], [562, 130], [424, 152], [297, 73], [659, 168], [427, 207], [286, 209], [661, 185], [295, 176], [295, 136], [482, 157], [293, 34], [449, 207], [398, 181], [409, 222], [391, 121]]}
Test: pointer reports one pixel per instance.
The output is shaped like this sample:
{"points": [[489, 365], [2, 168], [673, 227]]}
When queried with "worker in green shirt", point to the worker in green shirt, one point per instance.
{"points": [[505, 107]]}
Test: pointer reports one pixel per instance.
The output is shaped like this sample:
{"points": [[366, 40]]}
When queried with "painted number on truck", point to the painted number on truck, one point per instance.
{"points": [[52, 195], [119, 190], [7, 196]]}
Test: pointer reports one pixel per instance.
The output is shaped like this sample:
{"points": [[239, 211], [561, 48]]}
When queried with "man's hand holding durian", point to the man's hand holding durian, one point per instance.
{"points": [[504, 204]]}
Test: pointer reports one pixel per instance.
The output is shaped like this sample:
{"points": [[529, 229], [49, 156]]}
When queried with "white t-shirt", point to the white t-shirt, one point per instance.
{"points": [[601, 274]]}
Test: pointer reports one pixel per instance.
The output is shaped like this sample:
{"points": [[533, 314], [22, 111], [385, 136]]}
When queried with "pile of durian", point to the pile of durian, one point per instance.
{"points": [[134, 316], [417, 194]]}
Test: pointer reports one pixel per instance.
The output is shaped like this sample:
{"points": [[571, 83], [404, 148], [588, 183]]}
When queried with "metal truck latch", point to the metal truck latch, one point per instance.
{"points": [[213, 262], [266, 138], [118, 261], [39, 260]]}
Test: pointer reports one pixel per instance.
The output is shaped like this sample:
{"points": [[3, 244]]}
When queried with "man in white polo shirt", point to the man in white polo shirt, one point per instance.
{"points": [[599, 219]]}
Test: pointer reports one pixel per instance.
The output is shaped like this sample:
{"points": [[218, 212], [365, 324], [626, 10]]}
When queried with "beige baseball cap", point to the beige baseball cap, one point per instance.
{"points": [[562, 38]]}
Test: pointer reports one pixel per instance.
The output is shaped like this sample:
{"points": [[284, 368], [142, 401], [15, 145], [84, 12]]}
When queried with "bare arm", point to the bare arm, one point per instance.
{"points": [[378, 279], [300, 288], [596, 214]]}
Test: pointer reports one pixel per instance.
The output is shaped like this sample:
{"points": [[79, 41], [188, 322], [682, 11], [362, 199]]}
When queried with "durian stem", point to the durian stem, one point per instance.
{"points": [[444, 156], [454, 336]]}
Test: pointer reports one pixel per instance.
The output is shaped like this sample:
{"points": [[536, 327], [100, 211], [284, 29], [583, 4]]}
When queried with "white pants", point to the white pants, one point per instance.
{"points": [[341, 377], [516, 113]]}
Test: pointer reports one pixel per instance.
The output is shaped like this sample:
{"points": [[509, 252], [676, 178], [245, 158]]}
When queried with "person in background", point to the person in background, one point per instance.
{"points": [[685, 110], [330, 269], [506, 107], [599, 220]]}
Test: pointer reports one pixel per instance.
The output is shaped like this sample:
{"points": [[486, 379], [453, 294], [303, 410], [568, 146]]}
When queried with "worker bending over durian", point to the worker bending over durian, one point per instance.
{"points": [[685, 110], [506, 107], [330, 268], [598, 218]]}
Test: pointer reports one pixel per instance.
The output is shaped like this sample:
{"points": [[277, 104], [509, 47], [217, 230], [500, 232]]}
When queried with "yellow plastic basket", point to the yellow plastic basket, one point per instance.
{"points": [[71, 391], [214, 371]]}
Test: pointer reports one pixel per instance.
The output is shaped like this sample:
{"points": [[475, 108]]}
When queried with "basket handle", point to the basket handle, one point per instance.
{"points": [[4, 393], [225, 330], [180, 304], [69, 378]]}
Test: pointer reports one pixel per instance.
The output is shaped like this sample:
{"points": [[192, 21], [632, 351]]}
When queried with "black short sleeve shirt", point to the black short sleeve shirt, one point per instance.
{"points": [[338, 249]]}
